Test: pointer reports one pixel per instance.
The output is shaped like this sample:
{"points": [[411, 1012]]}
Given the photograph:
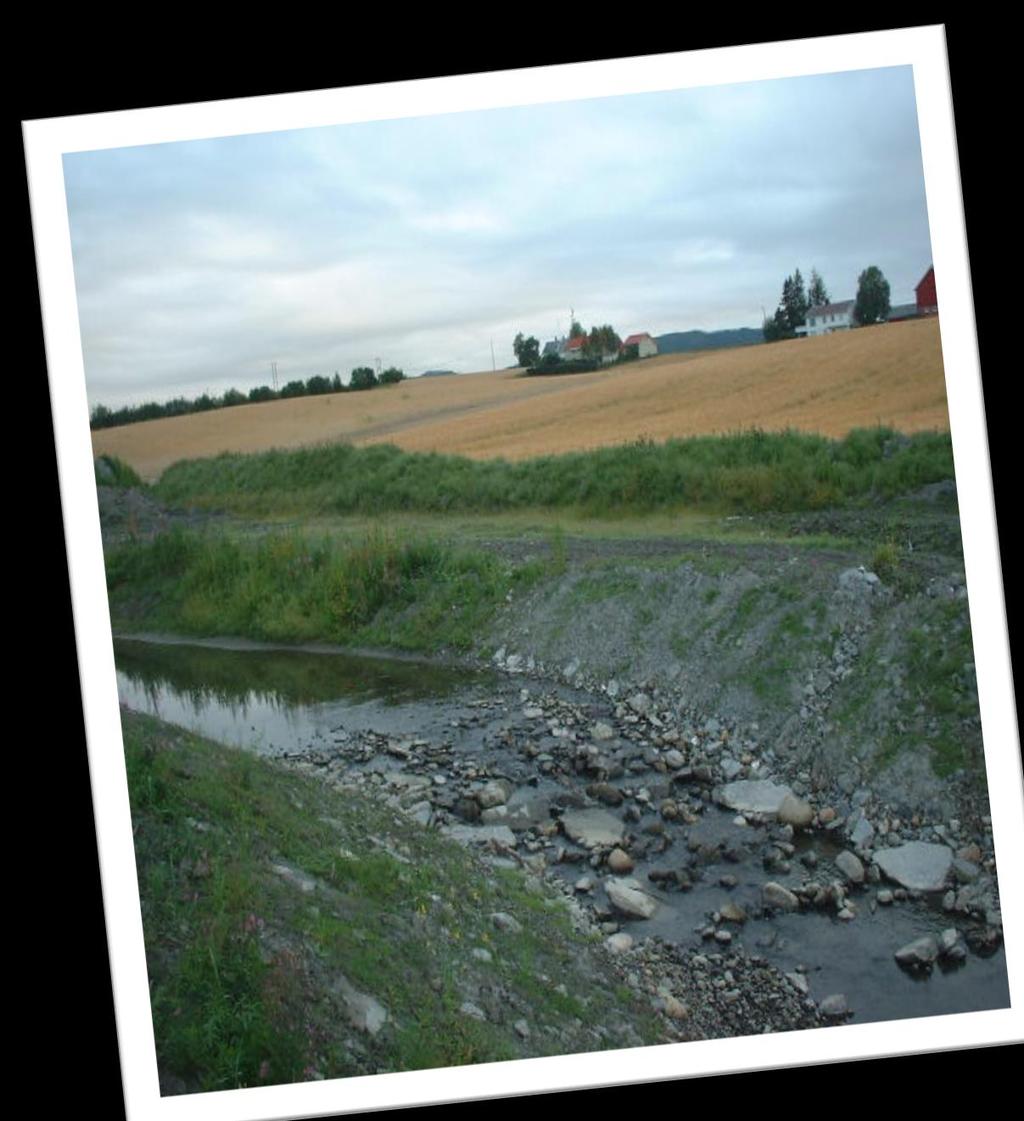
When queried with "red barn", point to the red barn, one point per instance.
{"points": [[927, 301]]}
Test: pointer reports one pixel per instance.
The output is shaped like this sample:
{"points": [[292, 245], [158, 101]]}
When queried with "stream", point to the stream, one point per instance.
{"points": [[438, 733]]}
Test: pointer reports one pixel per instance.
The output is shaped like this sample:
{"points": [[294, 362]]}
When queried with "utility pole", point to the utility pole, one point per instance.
{"points": [[494, 368], [273, 374]]}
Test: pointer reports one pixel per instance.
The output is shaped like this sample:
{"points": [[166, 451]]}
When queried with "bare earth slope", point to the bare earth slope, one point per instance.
{"points": [[890, 375]]}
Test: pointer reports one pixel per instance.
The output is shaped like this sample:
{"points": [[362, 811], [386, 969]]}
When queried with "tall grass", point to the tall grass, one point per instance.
{"points": [[405, 593], [114, 472], [747, 472]]}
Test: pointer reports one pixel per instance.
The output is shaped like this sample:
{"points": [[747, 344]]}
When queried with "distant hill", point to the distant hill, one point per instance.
{"points": [[678, 341]]}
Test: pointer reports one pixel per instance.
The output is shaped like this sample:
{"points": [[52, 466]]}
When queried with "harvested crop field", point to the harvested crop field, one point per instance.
{"points": [[890, 375]]}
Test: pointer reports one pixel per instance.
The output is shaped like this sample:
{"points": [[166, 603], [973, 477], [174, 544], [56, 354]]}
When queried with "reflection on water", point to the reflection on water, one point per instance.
{"points": [[273, 699]]}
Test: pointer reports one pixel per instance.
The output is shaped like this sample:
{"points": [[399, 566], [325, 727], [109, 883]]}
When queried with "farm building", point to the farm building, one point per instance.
{"points": [[645, 345], [927, 300], [828, 318]]}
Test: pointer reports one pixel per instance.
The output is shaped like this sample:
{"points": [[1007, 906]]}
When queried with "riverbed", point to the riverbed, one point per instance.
{"points": [[435, 737]]}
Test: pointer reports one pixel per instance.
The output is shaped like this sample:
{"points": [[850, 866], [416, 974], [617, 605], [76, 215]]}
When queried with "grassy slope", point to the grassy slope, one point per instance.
{"points": [[249, 965], [745, 473]]}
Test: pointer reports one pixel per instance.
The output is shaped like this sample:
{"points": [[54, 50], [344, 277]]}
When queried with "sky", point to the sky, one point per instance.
{"points": [[423, 242]]}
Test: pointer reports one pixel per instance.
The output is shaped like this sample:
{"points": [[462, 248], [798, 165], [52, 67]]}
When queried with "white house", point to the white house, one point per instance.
{"points": [[646, 347], [828, 318]]}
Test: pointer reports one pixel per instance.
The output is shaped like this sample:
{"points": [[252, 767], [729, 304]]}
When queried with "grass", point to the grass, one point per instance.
{"points": [[114, 472], [246, 969], [381, 590], [748, 472]]}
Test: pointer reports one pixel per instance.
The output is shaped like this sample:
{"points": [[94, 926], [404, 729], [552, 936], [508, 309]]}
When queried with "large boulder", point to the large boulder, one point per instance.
{"points": [[592, 827], [753, 796], [917, 865], [630, 898]]}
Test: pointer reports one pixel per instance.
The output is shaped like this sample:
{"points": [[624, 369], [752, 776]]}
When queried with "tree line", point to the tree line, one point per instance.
{"points": [[871, 305], [362, 377]]}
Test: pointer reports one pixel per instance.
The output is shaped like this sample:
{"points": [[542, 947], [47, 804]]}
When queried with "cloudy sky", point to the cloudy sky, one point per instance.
{"points": [[420, 241]]}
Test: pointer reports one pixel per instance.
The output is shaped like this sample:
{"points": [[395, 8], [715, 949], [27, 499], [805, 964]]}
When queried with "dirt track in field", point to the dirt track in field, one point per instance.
{"points": [[889, 375]]}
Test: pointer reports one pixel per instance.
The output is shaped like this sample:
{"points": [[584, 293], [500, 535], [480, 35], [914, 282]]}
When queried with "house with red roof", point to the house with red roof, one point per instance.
{"points": [[646, 347]]}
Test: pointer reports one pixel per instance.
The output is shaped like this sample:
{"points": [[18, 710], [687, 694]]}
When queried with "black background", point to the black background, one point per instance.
{"points": [[67, 1027]]}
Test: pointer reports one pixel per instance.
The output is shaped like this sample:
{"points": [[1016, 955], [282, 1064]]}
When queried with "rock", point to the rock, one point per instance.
{"points": [[795, 811], [674, 1007], [506, 922], [834, 1006], [365, 1013], [481, 834], [640, 703], [862, 833], [620, 942], [522, 1029], [730, 768], [467, 808], [526, 807], [592, 827], [850, 867], [605, 792], [951, 947], [753, 796], [732, 912], [630, 898], [494, 793], [919, 954], [601, 731], [584, 884], [620, 862], [965, 871], [799, 982], [468, 1008], [916, 865], [674, 759], [779, 898], [857, 580], [884, 897], [482, 954]]}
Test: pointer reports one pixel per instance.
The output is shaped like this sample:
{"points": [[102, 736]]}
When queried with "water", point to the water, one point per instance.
{"points": [[282, 700]]}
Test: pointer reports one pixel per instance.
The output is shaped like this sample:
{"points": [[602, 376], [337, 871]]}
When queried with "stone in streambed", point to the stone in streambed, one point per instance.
{"points": [[916, 865], [630, 898]]}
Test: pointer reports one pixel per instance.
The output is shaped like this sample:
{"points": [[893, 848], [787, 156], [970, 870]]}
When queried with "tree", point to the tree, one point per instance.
{"points": [[794, 301], [527, 351], [362, 377], [872, 304], [601, 341], [791, 312], [817, 293], [318, 384], [391, 376]]}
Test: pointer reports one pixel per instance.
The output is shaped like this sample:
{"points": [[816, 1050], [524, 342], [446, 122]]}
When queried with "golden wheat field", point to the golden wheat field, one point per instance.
{"points": [[890, 375]]}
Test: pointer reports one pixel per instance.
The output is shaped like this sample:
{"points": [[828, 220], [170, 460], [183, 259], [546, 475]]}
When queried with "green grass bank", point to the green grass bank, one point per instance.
{"points": [[386, 590], [296, 931], [749, 472]]}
